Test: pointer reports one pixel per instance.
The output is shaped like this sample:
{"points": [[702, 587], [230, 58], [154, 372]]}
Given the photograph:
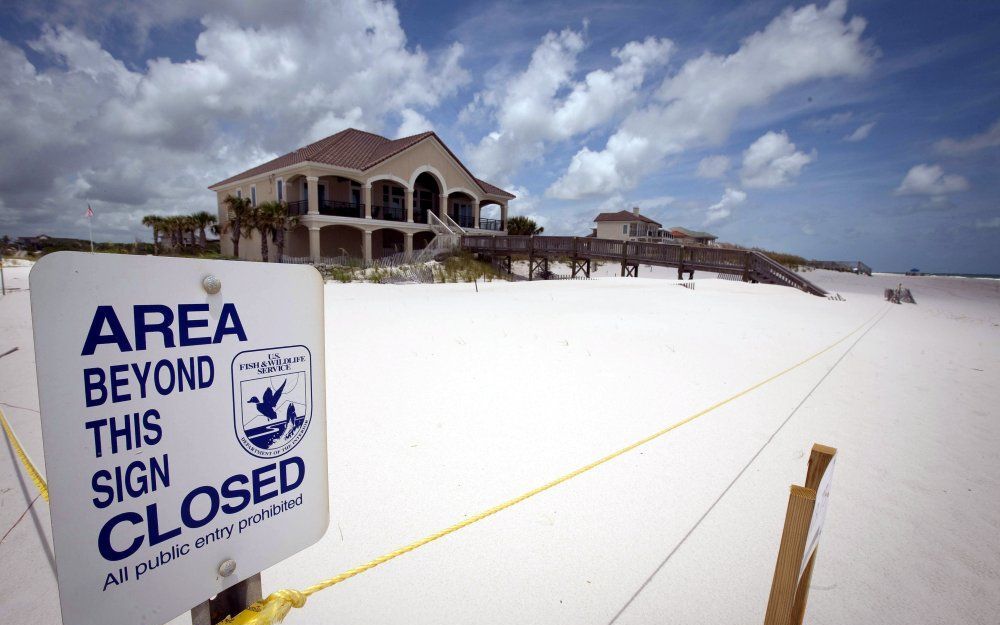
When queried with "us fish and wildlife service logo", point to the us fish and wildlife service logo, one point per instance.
{"points": [[272, 399]]}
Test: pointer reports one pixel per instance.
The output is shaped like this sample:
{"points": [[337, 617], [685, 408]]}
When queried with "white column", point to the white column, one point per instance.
{"points": [[314, 244], [408, 249], [313, 194], [409, 207], [368, 246], [475, 214], [503, 216], [443, 200], [368, 203]]}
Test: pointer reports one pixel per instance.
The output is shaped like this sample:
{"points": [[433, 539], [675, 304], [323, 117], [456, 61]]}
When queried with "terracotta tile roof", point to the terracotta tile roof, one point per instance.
{"points": [[354, 149], [692, 234], [494, 190], [625, 216]]}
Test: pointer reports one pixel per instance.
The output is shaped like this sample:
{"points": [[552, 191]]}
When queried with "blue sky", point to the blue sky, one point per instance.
{"points": [[862, 130]]}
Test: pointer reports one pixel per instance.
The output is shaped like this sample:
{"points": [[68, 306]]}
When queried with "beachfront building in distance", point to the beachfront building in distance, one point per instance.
{"points": [[633, 226], [627, 226], [362, 195], [683, 235]]}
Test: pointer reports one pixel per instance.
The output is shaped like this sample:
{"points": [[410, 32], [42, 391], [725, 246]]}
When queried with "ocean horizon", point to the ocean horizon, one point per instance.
{"points": [[990, 276]]}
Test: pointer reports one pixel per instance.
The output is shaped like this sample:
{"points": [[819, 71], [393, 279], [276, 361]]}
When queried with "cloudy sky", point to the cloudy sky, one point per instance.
{"points": [[866, 130]]}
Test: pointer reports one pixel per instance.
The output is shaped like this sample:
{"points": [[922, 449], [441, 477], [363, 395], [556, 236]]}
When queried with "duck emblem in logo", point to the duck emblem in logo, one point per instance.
{"points": [[272, 399]]}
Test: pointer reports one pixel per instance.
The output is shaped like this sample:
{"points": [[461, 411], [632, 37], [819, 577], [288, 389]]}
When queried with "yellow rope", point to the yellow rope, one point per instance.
{"points": [[32, 472], [278, 604]]}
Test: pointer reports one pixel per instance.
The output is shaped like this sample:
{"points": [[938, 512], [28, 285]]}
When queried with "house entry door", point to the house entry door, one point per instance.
{"points": [[463, 214]]}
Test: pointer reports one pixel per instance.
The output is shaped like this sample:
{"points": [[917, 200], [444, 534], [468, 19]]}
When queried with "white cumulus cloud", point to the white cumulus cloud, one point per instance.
{"points": [[547, 102], [700, 103], [85, 127], [713, 166], [724, 207], [931, 180], [772, 161], [413, 123]]}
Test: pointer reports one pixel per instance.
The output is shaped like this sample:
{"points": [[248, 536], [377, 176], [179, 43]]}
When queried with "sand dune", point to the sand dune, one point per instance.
{"points": [[444, 401]]}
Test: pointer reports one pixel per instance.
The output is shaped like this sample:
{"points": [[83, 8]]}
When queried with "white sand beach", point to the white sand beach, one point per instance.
{"points": [[444, 401]]}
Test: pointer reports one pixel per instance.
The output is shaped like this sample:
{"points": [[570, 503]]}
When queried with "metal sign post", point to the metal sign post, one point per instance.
{"points": [[229, 602], [183, 420]]}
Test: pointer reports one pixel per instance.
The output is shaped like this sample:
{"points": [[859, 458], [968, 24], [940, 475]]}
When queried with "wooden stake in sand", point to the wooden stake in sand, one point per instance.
{"points": [[797, 553]]}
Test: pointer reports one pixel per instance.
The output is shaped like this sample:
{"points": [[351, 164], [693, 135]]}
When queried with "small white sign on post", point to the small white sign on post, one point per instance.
{"points": [[818, 515], [183, 419]]}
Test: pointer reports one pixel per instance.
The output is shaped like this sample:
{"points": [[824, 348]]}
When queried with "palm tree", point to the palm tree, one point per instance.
{"points": [[180, 227], [257, 220], [238, 209], [523, 225], [203, 220], [156, 223], [169, 226], [275, 216], [191, 226]]}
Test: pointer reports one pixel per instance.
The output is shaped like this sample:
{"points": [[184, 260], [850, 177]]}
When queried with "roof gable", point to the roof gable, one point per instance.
{"points": [[358, 150], [624, 215], [693, 234]]}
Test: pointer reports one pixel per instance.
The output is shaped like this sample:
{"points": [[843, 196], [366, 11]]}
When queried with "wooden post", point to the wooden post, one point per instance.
{"points": [[799, 538], [531, 258], [680, 264], [229, 602]]}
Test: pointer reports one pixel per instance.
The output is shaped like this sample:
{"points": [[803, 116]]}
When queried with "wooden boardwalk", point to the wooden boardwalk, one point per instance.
{"points": [[852, 266], [749, 265]]}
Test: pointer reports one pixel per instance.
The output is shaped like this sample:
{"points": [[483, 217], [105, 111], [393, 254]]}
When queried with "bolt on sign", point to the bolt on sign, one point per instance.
{"points": [[183, 420]]}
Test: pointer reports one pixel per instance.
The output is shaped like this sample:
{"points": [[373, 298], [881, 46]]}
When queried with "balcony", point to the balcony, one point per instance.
{"points": [[329, 207], [385, 213], [389, 213]]}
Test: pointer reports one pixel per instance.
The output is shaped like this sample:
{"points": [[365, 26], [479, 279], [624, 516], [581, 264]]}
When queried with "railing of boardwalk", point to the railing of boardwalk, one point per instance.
{"points": [[768, 270], [749, 265]]}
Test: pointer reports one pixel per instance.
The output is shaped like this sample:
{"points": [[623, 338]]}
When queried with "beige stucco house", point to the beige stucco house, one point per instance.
{"points": [[627, 226], [367, 196], [631, 226], [685, 235]]}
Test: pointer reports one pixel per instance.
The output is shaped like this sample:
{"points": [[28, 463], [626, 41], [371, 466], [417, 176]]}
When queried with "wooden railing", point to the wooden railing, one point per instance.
{"points": [[388, 213], [751, 266], [328, 207]]}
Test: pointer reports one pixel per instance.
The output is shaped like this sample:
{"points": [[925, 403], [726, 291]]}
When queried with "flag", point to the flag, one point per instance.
{"points": [[90, 211]]}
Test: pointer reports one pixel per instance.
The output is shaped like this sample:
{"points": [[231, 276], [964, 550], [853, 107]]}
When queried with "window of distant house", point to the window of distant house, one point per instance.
{"points": [[239, 193], [253, 195], [631, 229], [624, 228], [281, 190]]}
